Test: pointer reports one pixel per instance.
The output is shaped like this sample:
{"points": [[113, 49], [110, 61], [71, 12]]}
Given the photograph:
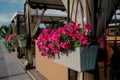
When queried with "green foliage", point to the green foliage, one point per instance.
{"points": [[118, 29], [5, 27], [56, 25], [15, 41], [10, 30], [3, 30], [8, 47]]}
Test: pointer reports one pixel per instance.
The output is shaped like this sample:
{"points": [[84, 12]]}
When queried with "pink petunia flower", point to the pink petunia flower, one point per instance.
{"points": [[101, 40], [68, 37]]}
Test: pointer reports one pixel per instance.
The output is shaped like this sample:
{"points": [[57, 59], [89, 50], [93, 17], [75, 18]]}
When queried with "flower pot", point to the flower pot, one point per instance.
{"points": [[82, 59]]}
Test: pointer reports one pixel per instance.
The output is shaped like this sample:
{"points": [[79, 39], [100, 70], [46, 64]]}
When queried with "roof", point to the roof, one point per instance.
{"points": [[113, 24], [117, 15], [48, 4], [49, 15], [15, 14]]}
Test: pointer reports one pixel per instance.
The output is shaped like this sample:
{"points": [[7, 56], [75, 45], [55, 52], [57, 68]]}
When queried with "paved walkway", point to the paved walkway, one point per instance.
{"points": [[10, 69]]}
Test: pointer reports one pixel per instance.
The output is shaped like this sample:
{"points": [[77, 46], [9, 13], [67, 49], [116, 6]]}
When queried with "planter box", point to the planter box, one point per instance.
{"points": [[82, 59], [22, 43]]}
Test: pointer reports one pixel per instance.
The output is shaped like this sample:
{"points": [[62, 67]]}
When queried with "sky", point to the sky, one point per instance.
{"points": [[8, 8]]}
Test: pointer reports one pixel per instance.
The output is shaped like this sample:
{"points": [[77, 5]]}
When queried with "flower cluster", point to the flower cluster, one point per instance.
{"points": [[9, 43], [11, 37], [66, 38]]}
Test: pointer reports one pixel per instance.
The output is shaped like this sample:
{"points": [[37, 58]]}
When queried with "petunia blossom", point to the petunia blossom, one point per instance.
{"points": [[68, 37]]}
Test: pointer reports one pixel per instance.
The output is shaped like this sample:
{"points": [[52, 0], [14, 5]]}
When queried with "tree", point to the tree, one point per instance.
{"points": [[3, 30]]}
